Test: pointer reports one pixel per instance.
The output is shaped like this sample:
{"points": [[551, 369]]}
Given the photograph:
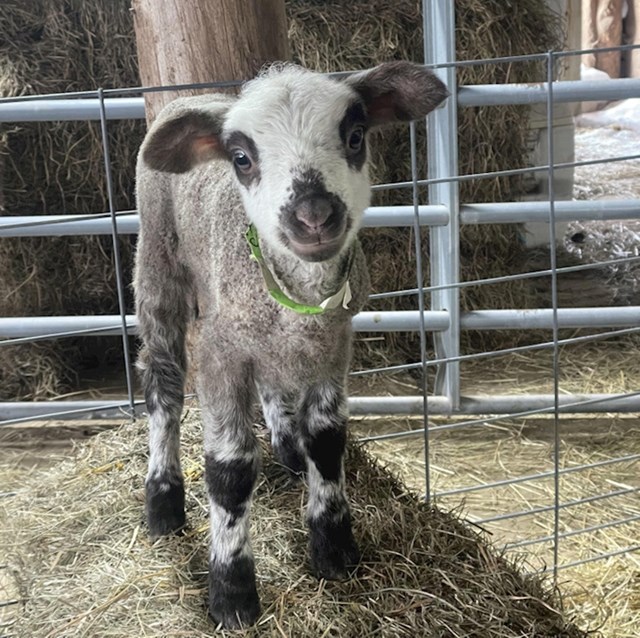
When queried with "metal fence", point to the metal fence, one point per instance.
{"points": [[444, 319]]}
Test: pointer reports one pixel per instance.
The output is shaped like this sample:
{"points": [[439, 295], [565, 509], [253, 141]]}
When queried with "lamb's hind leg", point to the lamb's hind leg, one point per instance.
{"points": [[323, 418], [232, 460], [280, 414], [163, 309]]}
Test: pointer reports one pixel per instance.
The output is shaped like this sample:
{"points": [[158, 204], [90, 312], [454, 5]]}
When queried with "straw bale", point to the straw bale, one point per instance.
{"points": [[63, 45], [334, 36], [50, 46], [78, 553]]}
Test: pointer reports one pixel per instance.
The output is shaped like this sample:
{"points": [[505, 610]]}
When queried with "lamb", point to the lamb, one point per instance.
{"points": [[272, 307]]}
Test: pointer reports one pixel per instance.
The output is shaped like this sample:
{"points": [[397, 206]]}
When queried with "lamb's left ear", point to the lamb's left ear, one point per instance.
{"points": [[398, 91]]}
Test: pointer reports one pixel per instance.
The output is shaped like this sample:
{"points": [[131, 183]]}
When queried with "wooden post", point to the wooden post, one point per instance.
{"points": [[205, 41], [609, 30], [589, 35], [632, 36]]}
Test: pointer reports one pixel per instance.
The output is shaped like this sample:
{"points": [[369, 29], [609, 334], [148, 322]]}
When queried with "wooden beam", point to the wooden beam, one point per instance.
{"points": [[204, 41]]}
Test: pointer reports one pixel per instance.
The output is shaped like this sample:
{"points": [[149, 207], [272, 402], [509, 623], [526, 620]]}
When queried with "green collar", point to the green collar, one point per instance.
{"points": [[342, 297]]}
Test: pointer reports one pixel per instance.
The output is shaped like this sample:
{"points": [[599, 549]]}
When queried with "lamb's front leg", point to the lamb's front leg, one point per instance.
{"points": [[231, 467], [323, 419]]}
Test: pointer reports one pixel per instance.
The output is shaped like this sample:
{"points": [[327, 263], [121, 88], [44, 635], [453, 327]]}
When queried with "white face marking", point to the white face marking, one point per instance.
{"points": [[293, 118]]}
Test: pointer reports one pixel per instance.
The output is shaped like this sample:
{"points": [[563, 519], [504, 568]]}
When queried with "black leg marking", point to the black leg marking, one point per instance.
{"points": [[165, 506], [287, 453], [230, 484], [233, 598], [326, 449], [280, 414], [332, 547]]}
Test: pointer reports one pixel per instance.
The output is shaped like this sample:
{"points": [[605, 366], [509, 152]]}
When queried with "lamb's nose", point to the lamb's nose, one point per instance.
{"points": [[313, 212]]}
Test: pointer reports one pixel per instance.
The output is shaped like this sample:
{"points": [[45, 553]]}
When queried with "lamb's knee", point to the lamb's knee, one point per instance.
{"points": [[162, 374], [325, 449]]}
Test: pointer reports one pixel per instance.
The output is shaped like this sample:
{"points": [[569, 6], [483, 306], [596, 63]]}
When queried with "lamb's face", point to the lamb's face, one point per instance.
{"points": [[297, 141]]}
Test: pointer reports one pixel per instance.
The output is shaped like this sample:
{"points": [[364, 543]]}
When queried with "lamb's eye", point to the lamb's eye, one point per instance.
{"points": [[356, 139], [241, 160]]}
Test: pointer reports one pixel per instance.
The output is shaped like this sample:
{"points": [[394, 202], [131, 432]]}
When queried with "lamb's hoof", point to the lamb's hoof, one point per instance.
{"points": [[333, 552], [165, 507], [233, 598]]}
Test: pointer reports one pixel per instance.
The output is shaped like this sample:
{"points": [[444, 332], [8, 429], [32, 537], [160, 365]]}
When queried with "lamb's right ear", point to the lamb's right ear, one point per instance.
{"points": [[398, 91], [177, 144]]}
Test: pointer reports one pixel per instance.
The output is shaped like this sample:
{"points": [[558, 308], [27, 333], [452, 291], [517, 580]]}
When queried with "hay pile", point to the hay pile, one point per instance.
{"points": [[64, 45], [78, 552]]}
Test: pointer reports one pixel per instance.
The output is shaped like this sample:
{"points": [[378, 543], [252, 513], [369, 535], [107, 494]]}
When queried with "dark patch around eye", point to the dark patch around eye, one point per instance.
{"points": [[355, 115], [236, 139]]}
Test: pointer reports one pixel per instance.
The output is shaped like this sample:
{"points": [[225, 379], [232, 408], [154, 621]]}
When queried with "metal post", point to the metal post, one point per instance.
{"points": [[442, 156], [116, 254], [554, 305]]}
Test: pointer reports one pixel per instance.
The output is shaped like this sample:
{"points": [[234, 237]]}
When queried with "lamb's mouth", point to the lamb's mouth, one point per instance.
{"points": [[316, 249]]}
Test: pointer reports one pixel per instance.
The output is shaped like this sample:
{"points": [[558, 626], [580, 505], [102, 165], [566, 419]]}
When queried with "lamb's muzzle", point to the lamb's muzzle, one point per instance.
{"points": [[288, 155]]}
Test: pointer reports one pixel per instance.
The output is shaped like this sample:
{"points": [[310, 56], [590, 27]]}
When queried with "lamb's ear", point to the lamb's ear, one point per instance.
{"points": [[398, 91], [178, 143]]}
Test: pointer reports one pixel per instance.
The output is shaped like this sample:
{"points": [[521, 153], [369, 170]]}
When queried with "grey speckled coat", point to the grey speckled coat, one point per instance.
{"points": [[288, 155]]}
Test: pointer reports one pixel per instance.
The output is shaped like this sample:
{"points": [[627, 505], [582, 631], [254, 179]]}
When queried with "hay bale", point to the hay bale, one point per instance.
{"points": [[62, 45], [78, 551], [51, 168], [334, 36]]}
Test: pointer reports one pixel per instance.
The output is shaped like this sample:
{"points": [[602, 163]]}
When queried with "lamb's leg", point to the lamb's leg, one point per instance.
{"points": [[232, 460], [163, 308], [280, 415], [324, 425]]}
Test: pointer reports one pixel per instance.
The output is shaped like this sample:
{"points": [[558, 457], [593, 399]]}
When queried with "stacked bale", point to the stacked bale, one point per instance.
{"points": [[334, 36], [64, 45], [50, 46]]}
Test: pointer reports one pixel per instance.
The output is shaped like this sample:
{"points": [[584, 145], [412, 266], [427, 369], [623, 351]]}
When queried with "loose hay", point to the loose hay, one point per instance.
{"points": [[605, 593], [77, 548]]}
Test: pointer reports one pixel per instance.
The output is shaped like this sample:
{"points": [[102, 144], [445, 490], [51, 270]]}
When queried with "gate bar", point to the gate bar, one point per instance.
{"points": [[358, 406], [45, 109], [369, 321]]}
